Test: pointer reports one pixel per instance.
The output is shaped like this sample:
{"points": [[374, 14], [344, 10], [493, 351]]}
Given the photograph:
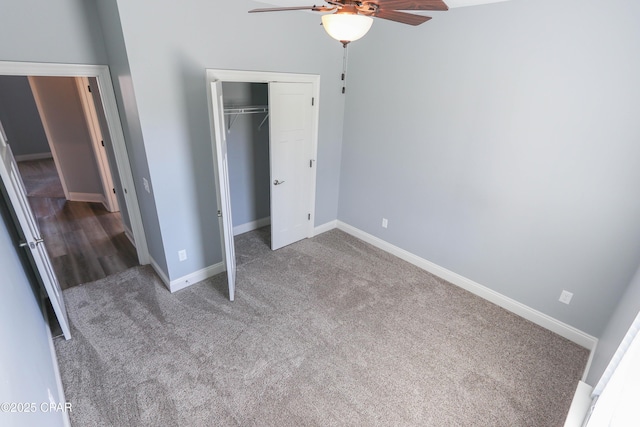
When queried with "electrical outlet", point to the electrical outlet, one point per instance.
{"points": [[565, 297], [146, 185], [385, 223], [182, 255]]}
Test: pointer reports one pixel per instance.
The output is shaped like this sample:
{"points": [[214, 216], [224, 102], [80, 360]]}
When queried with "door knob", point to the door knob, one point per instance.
{"points": [[276, 182]]}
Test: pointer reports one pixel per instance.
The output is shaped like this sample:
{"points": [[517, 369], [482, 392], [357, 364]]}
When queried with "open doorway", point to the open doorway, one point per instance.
{"points": [[246, 110], [53, 127], [289, 153], [14, 192]]}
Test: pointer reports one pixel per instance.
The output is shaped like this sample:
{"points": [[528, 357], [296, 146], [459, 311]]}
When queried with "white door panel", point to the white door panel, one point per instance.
{"points": [[290, 141], [34, 242], [222, 175]]}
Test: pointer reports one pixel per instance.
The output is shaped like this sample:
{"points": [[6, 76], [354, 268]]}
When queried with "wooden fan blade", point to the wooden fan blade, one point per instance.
{"points": [[411, 4], [405, 18], [280, 9]]}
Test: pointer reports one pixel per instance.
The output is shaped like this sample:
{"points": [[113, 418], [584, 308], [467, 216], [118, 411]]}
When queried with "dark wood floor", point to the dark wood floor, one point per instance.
{"points": [[84, 240]]}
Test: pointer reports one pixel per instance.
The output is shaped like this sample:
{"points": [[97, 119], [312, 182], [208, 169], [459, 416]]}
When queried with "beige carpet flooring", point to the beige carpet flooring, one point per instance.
{"points": [[325, 332]]}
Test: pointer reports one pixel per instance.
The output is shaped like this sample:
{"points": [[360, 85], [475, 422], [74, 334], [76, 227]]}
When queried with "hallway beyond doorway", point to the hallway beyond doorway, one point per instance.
{"points": [[84, 240]]}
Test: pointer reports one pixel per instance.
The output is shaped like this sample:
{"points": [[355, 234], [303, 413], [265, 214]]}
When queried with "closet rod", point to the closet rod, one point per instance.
{"points": [[250, 109]]}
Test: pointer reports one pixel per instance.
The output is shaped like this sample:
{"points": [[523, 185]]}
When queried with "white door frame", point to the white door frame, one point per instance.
{"points": [[97, 143], [240, 76], [105, 86]]}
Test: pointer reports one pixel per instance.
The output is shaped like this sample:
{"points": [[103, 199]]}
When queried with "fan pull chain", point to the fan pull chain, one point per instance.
{"points": [[345, 56]]}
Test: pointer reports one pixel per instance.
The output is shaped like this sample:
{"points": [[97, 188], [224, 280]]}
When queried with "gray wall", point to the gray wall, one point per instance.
{"points": [[618, 325], [20, 118], [65, 31], [31, 30], [168, 52], [128, 109], [501, 142], [61, 110], [26, 367], [248, 153], [70, 31]]}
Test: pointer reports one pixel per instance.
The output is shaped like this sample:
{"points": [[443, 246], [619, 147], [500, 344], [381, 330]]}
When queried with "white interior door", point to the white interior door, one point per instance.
{"points": [[222, 176], [290, 144], [34, 242]]}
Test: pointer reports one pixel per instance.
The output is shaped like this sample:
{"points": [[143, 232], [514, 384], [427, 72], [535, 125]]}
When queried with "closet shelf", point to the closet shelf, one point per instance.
{"points": [[249, 109]]}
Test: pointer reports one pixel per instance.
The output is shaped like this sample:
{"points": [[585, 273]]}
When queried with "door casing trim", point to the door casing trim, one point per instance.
{"points": [[107, 92]]}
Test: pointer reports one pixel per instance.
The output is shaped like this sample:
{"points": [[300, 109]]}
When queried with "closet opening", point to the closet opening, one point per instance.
{"points": [[246, 111], [264, 129]]}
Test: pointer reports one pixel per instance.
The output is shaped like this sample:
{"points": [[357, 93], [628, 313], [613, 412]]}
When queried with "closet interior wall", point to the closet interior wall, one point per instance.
{"points": [[248, 156]]}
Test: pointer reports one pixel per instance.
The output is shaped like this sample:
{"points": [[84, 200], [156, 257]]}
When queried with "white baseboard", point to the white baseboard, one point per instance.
{"points": [[567, 331], [35, 156], [189, 279], [580, 405], [196, 276], [325, 227], [86, 197], [252, 225], [159, 272]]}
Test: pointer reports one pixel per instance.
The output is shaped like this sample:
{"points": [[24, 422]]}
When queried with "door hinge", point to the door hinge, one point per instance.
{"points": [[311, 163], [309, 217], [219, 213], [89, 88], [102, 142], [114, 191], [313, 100]]}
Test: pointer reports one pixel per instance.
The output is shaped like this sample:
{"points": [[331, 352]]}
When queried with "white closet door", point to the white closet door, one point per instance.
{"points": [[290, 142], [34, 242], [222, 171]]}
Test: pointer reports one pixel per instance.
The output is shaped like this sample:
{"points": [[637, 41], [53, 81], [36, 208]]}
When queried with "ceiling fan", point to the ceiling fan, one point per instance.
{"points": [[351, 19]]}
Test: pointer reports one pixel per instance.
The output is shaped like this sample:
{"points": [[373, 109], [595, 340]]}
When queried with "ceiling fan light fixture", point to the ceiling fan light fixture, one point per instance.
{"points": [[346, 27]]}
